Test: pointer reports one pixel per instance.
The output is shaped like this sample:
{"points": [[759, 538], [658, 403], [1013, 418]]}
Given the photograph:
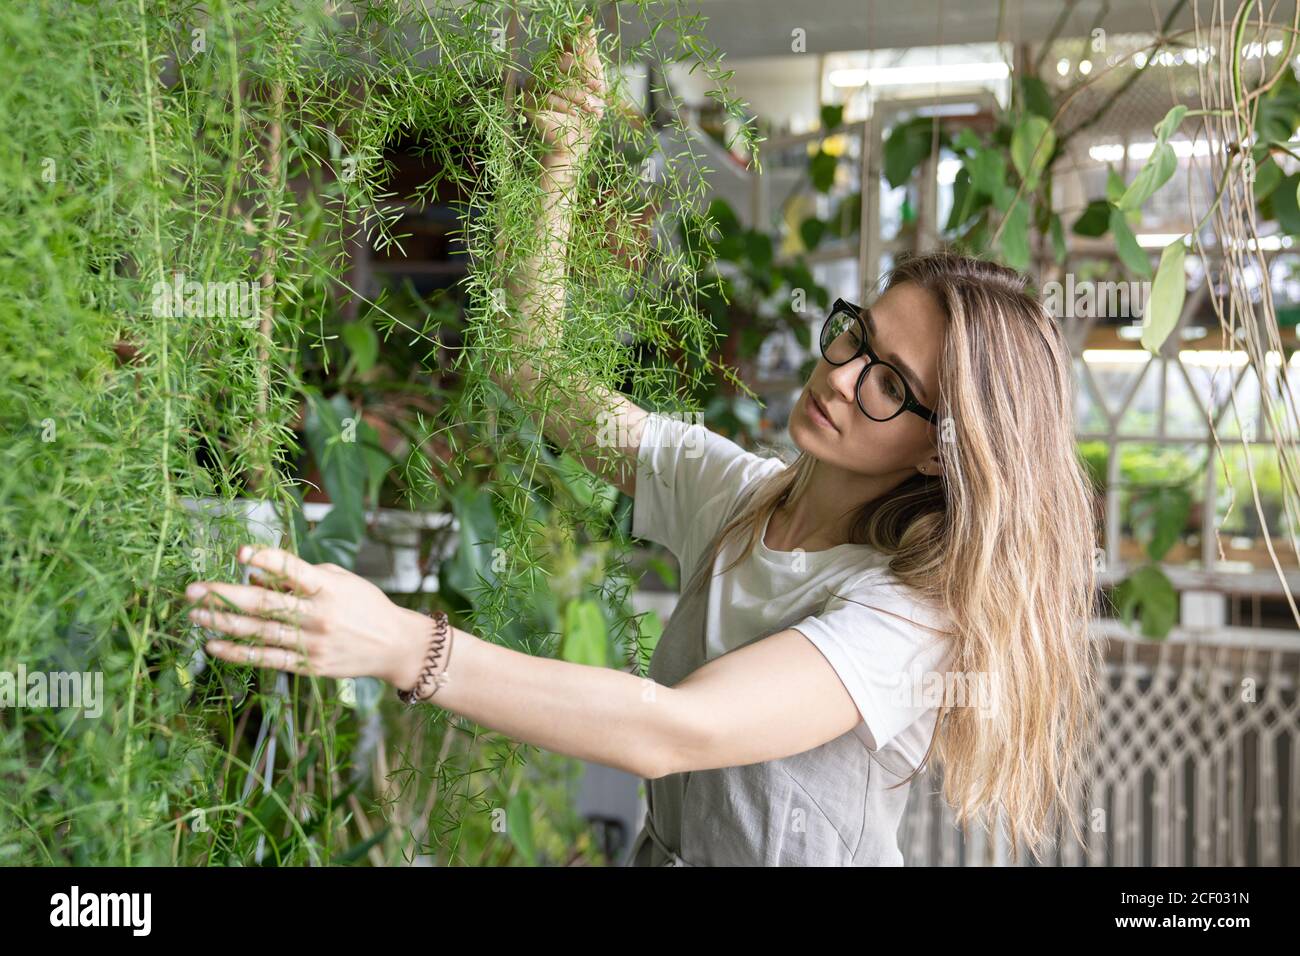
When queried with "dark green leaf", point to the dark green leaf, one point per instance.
{"points": [[1267, 177], [1285, 207], [811, 231], [1148, 595], [724, 217], [966, 201], [1095, 219], [1037, 97], [821, 169], [988, 174], [359, 850], [758, 246], [1133, 256], [334, 431], [907, 144], [1159, 518]]}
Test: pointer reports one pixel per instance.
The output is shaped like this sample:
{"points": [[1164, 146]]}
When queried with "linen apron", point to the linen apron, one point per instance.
{"points": [[829, 806]]}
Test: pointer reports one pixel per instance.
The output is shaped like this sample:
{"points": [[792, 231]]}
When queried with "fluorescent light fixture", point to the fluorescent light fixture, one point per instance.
{"points": [[1114, 152], [947, 109], [1183, 148], [1116, 356], [929, 75], [1157, 240], [849, 77], [1131, 333], [1107, 153], [1215, 358]]}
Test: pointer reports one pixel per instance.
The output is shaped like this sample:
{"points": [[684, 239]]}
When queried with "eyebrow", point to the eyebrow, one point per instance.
{"points": [[903, 367]]}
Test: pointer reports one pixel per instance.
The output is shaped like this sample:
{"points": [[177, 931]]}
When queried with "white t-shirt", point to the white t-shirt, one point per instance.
{"points": [[879, 636]]}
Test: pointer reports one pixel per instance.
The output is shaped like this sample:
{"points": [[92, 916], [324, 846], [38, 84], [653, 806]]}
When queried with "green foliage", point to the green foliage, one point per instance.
{"points": [[907, 144], [244, 142], [1131, 254], [1148, 596], [1167, 294], [750, 293], [1032, 145], [1095, 219], [1159, 515]]}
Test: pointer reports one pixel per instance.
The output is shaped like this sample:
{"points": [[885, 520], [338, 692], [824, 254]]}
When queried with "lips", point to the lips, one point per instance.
{"points": [[821, 410]]}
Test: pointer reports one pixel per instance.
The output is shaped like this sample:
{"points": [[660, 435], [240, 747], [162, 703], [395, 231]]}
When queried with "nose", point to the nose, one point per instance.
{"points": [[844, 378]]}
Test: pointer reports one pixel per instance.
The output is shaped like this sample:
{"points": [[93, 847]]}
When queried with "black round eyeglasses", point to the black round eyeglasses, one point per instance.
{"points": [[883, 392]]}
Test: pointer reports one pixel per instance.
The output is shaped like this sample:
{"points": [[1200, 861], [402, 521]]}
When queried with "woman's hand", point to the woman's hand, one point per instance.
{"points": [[311, 619], [566, 118]]}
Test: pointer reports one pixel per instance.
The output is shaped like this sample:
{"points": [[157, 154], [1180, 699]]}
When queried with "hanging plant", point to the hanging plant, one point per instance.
{"points": [[239, 147]]}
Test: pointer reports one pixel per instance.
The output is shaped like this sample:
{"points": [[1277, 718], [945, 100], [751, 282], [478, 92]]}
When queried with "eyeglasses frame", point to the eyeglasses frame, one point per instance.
{"points": [[910, 403]]}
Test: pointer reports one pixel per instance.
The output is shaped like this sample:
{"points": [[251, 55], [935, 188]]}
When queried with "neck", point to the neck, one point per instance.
{"points": [[822, 517]]}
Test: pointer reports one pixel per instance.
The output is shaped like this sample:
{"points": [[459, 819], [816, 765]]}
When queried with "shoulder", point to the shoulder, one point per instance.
{"points": [[719, 465], [689, 479], [879, 588]]}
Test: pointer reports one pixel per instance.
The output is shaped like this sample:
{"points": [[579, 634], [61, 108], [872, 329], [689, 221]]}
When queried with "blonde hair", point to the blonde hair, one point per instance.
{"points": [[1003, 539]]}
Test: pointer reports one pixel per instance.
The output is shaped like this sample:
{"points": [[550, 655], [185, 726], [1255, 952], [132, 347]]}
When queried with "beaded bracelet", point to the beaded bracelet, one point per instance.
{"points": [[441, 640]]}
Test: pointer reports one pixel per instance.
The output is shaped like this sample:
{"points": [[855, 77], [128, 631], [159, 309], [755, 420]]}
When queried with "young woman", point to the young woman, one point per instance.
{"points": [[916, 583]]}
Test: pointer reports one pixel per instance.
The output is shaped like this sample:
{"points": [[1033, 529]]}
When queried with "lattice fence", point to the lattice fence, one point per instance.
{"points": [[1196, 764]]}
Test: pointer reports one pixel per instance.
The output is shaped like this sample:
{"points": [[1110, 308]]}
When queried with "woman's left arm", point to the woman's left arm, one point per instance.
{"points": [[772, 698]]}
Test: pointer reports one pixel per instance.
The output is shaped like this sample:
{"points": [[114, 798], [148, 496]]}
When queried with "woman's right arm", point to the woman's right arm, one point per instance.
{"points": [[602, 426]]}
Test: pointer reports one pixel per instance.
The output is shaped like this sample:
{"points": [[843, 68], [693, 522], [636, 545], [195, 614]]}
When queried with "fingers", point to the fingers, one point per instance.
{"points": [[575, 101], [304, 577], [585, 64], [275, 657], [263, 580], [274, 633], [256, 601]]}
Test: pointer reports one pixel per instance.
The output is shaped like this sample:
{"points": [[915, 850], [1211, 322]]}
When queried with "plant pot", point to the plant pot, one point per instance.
{"points": [[389, 556]]}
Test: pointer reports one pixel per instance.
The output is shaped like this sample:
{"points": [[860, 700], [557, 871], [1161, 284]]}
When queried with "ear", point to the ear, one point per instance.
{"points": [[931, 466]]}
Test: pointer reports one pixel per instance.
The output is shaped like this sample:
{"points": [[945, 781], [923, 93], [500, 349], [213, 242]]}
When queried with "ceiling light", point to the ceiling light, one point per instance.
{"points": [[931, 74]]}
